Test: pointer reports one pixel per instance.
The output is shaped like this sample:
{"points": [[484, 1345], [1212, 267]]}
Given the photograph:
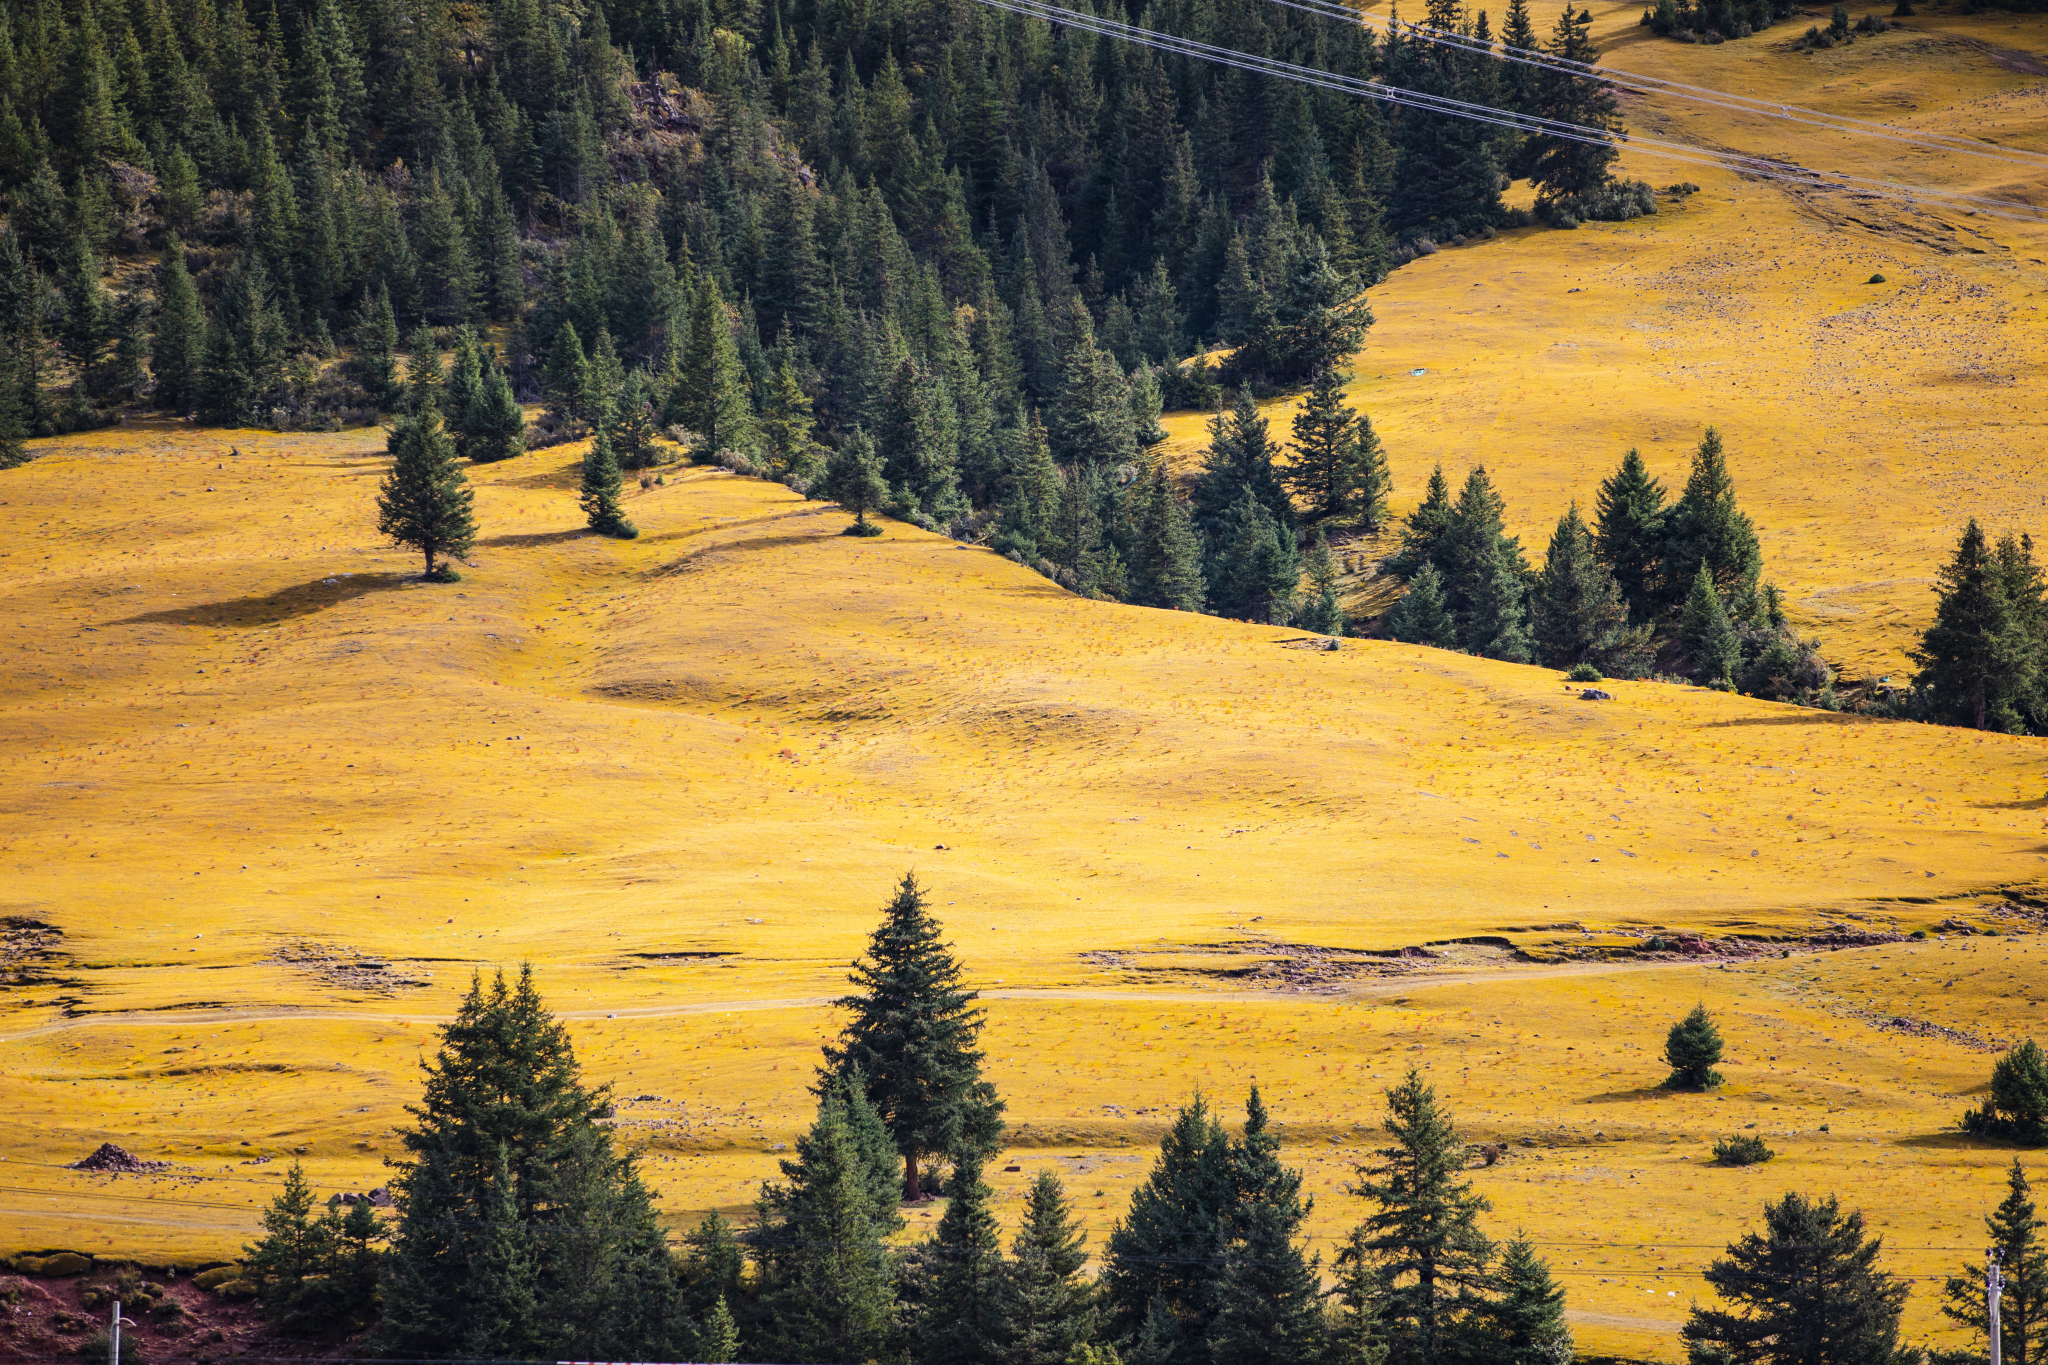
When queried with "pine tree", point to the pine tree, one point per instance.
{"points": [[497, 428], [1322, 612], [1422, 616], [916, 462], [1166, 557], [599, 497], [1269, 1302], [178, 346], [243, 360], [1090, 418], [1240, 461], [1050, 1307], [1424, 1233], [1255, 567], [1579, 613], [1146, 405], [961, 1319], [521, 1232], [714, 1265], [719, 1341], [1422, 535], [425, 381], [1527, 1314], [2015, 1231], [566, 374], [1566, 168], [604, 379], [1976, 656], [2017, 1107], [710, 397], [1629, 527], [1325, 475], [1706, 527], [2026, 593], [912, 1041], [424, 502], [1358, 1322], [825, 1276], [1807, 1292], [287, 1265], [13, 421], [1706, 632], [786, 427], [1692, 1047], [633, 423], [1163, 1257], [853, 479], [1320, 319], [463, 393], [1484, 574]]}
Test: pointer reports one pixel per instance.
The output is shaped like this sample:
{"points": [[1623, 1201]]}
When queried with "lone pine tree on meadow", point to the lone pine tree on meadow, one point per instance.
{"points": [[912, 1044], [599, 497], [2015, 1231], [2017, 1107], [424, 501], [1338, 471], [1806, 1292], [1692, 1047], [1976, 658], [853, 479]]}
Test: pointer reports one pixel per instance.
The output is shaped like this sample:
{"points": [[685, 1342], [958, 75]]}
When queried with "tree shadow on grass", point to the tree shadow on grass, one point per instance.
{"points": [[301, 599], [529, 539], [1804, 717], [1641, 1092]]}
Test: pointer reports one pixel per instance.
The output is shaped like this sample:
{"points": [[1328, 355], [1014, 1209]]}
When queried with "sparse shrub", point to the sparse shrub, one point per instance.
{"points": [[1918, 933], [1741, 1149], [1875, 279], [1583, 673], [1692, 1047]]}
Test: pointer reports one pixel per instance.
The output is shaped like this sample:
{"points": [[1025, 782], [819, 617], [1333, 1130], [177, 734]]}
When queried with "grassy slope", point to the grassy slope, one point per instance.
{"points": [[233, 724]]}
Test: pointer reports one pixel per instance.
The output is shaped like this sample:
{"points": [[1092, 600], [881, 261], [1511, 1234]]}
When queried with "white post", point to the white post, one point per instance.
{"points": [[1994, 1286], [114, 1343]]}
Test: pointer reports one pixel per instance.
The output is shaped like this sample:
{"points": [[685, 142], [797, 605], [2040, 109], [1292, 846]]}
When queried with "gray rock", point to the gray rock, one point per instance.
{"points": [[1595, 694]]}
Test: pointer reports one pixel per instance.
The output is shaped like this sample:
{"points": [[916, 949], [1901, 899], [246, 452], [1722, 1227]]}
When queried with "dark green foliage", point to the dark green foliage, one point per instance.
{"points": [[1527, 1313], [521, 1232], [1484, 576], [376, 347], [1254, 567], [786, 429], [1090, 420], [853, 479], [2015, 1230], [1741, 1149], [1806, 1292], [710, 395], [1980, 659], [1358, 1317], [824, 1277], [1707, 633], [1422, 535], [599, 496], [1423, 1235], [242, 365], [1049, 1305], [1163, 1257], [2017, 1107], [1269, 1301], [1166, 557], [1338, 470], [633, 419], [1240, 462], [714, 1263], [1321, 611], [482, 415], [1691, 1048], [424, 501], [1706, 528], [567, 374], [426, 382], [1580, 617], [314, 1275], [1566, 169], [1629, 528], [911, 1044], [961, 1297], [1423, 616]]}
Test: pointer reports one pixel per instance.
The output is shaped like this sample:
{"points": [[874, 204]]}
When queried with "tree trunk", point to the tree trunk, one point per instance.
{"points": [[910, 1191], [430, 562]]}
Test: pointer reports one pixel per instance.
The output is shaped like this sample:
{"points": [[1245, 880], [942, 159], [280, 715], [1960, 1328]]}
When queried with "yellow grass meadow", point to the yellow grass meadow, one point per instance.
{"points": [[275, 800]]}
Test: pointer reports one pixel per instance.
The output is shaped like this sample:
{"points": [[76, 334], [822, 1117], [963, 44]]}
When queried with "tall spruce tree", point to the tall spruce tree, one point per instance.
{"points": [[1567, 168], [1050, 1308], [1806, 1292], [961, 1317], [520, 1229], [289, 1263], [1254, 567], [1269, 1308], [566, 374], [376, 347], [1338, 470], [1163, 1265], [1628, 525], [426, 383], [1706, 632], [825, 1277], [1423, 534], [1166, 556], [1240, 460], [1422, 616], [599, 496], [1424, 1232], [1975, 658], [2015, 1232], [1578, 609], [853, 479], [1527, 1313], [1707, 528], [424, 501], [912, 1043], [710, 397], [2017, 1107], [178, 346]]}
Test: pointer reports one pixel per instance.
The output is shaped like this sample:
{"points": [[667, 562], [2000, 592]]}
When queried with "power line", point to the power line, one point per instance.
{"points": [[1657, 85], [1755, 167]]}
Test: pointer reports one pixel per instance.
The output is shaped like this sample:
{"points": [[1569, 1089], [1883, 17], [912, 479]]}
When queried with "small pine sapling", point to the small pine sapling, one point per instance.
{"points": [[600, 494], [1692, 1047], [1741, 1149]]}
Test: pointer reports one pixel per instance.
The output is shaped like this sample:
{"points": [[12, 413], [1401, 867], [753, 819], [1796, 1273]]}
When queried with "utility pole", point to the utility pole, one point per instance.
{"points": [[1994, 1287], [114, 1336]]}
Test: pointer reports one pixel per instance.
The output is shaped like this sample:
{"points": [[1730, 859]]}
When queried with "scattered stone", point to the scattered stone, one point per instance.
{"points": [[348, 968], [1595, 694], [114, 1160]]}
